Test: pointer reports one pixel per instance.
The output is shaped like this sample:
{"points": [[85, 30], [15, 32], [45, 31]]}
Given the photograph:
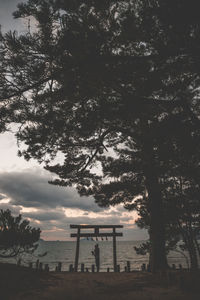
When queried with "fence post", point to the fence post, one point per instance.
{"points": [[46, 267], [40, 266], [128, 266], [59, 266], [37, 264], [82, 267], [71, 268]]}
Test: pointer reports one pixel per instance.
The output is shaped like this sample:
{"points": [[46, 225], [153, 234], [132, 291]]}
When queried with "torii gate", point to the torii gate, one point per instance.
{"points": [[96, 234]]}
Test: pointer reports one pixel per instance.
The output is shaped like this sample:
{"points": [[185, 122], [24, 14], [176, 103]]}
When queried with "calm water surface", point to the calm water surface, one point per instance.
{"points": [[64, 252]]}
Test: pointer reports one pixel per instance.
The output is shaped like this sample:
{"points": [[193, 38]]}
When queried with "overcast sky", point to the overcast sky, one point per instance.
{"points": [[24, 185]]}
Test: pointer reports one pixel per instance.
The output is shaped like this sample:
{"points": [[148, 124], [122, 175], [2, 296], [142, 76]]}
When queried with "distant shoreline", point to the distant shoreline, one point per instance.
{"points": [[73, 240]]}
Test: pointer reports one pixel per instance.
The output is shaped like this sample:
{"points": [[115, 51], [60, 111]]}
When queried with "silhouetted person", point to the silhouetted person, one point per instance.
{"points": [[96, 254]]}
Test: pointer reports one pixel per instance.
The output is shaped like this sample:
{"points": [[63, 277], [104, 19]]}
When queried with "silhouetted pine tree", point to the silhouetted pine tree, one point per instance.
{"points": [[17, 237], [89, 76]]}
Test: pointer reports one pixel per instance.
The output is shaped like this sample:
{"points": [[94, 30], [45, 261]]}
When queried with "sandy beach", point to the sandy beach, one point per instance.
{"points": [[20, 283]]}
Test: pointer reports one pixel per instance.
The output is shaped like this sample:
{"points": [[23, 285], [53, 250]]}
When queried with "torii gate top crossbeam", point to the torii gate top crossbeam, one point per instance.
{"points": [[87, 235], [95, 226], [96, 232]]}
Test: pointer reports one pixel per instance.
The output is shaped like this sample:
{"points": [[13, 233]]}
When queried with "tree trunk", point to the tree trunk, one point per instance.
{"points": [[158, 260], [193, 258], [192, 252], [197, 246]]}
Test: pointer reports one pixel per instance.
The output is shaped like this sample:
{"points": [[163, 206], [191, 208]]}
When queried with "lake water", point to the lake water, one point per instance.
{"points": [[64, 252]]}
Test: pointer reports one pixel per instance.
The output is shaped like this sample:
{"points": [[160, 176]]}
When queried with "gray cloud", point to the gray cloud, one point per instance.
{"points": [[7, 7], [44, 215], [2, 197], [30, 188]]}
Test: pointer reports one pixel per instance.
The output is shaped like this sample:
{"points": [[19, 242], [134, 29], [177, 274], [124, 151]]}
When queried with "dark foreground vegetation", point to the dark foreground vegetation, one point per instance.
{"points": [[15, 280], [17, 237], [20, 283]]}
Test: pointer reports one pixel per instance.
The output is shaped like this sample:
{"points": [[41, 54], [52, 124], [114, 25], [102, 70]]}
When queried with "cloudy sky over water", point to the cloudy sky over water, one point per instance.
{"points": [[24, 185]]}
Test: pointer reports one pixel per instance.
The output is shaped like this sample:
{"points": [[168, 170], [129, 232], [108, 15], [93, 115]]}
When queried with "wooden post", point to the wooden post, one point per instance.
{"points": [[77, 251], [59, 267], [37, 264], [82, 267], [114, 252], [46, 267], [40, 266], [128, 266], [71, 269], [173, 266]]}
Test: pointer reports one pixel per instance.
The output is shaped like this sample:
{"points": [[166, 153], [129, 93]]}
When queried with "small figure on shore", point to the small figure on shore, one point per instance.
{"points": [[143, 267], [96, 254]]}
